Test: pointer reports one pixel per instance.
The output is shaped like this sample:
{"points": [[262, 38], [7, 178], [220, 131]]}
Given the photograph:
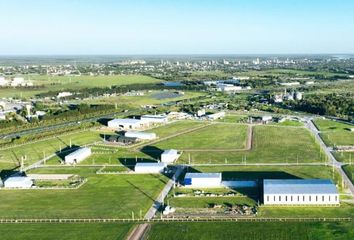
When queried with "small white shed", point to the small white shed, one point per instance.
{"points": [[140, 135], [18, 182], [154, 167], [169, 156], [78, 155], [202, 180]]}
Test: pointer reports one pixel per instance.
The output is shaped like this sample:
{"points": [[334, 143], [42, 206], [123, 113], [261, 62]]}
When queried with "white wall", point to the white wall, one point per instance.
{"points": [[144, 169], [205, 183], [296, 199]]}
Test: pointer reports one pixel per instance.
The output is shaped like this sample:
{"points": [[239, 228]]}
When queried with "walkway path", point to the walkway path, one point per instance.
{"points": [[160, 199], [138, 232]]}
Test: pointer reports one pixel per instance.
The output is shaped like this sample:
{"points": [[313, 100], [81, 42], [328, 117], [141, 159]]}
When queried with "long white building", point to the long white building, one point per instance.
{"points": [[150, 167], [202, 180], [78, 155], [126, 123], [169, 156], [300, 192], [18, 182], [140, 135], [154, 118]]}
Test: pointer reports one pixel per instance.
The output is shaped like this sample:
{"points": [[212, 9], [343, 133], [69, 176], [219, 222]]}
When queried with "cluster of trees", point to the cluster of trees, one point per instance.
{"points": [[338, 105]]}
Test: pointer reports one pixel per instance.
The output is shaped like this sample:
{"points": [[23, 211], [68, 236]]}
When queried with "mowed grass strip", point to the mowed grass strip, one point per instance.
{"points": [[61, 231], [215, 136], [271, 144], [37, 150], [252, 231], [102, 196]]}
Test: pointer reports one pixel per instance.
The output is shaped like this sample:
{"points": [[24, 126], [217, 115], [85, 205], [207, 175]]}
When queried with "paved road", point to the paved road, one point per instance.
{"points": [[160, 199], [331, 159], [138, 232]]}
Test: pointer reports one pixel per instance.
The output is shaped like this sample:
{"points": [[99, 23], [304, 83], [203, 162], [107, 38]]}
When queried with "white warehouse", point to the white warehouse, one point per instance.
{"points": [[216, 116], [154, 118], [169, 156], [202, 180], [125, 123], [300, 192], [140, 135], [150, 167], [18, 182], [78, 155]]}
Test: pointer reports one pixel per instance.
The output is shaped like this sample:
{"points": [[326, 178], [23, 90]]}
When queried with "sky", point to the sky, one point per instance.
{"points": [[128, 27]]}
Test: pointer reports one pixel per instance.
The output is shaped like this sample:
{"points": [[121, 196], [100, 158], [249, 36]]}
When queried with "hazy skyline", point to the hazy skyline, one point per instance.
{"points": [[176, 27]]}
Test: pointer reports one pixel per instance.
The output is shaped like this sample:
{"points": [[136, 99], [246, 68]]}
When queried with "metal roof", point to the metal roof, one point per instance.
{"points": [[154, 116], [203, 175], [299, 186], [150, 164], [170, 152], [125, 121], [18, 179], [79, 152]]}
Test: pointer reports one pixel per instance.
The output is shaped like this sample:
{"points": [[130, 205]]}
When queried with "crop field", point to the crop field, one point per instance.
{"points": [[270, 144], [11, 157], [102, 196], [59, 83], [215, 136], [73, 231], [252, 231]]}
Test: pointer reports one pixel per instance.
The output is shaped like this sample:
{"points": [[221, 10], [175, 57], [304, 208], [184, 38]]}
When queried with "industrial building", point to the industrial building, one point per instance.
{"points": [[78, 155], [18, 182], [169, 156], [140, 135], [216, 116], [154, 118], [300, 192], [122, 140], [202, 180], [266, 119], [150, 167], [126, 123]]}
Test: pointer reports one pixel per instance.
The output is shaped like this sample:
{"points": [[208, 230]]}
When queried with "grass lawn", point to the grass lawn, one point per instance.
{"points": [[215, 136], [74, 231], [59, 83], [291, 123], [346, 157], [205, 202], [270, 144], [233, 118], [102, 196], [35, 151], [349, 170], [252, 231], [176, 127], [335, 133]]}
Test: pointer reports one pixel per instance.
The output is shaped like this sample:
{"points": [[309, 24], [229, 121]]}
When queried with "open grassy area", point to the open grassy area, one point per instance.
{"points": [[335, 133], [252, 231], [59, 83], [10, 158], [215, 136], [73, 231], [349, 170], [270, 144], [102, 196], [346, 157]]}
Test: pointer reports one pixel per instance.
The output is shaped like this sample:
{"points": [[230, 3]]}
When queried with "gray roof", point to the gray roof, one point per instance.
{"points": [[150, 164], [299, 186], [203, 175]]}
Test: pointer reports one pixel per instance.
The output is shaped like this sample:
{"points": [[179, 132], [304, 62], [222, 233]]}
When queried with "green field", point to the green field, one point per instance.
{"points": [[349, 170], [64, 231], [346, 157], [335, 133], [102, 196], [270, 144], [252, 231], [60, 83], [36, 151], [215, 136]]}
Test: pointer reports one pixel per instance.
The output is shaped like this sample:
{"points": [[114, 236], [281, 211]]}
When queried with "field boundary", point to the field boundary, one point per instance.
{"points": [[171, 219]]}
